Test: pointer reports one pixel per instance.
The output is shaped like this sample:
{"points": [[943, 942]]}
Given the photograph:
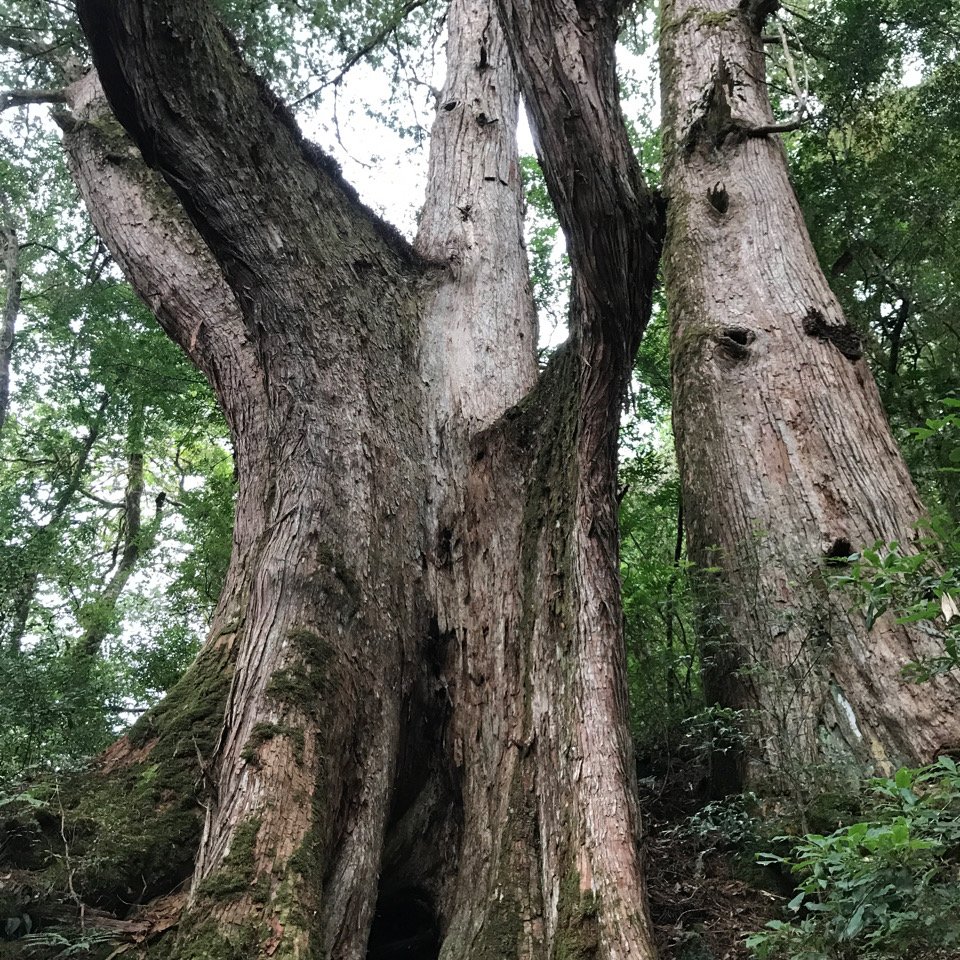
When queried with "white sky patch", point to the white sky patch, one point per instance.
{"points": [[388, 168], [912, 72]]}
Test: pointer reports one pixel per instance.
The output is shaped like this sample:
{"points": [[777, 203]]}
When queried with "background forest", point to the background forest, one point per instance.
{"points": [[116, 477]]}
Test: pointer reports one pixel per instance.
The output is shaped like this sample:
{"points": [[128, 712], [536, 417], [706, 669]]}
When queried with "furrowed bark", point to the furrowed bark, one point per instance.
{"points": [[447, 674], [480, 339], [326, 592], [565, 56], [557, 456], [552, 846], [480, 328], [11, 307], [786, 456], [160, 252]]}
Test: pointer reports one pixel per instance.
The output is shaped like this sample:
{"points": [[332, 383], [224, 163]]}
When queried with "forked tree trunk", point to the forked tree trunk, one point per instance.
{"points": [[785, 452], [429, 699]]}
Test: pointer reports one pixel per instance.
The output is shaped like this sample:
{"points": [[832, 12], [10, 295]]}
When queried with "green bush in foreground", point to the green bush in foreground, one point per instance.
{"points": [[886, 887]]}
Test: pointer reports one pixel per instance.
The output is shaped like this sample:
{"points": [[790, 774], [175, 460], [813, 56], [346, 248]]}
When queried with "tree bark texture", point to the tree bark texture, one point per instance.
{"points": [[428, 700], [11, 307], [317, 601], [785, 452], [524, 554]]}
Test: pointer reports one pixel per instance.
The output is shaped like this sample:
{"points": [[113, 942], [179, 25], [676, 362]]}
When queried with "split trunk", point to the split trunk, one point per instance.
{"points": [[418, 654], [407, 729]]}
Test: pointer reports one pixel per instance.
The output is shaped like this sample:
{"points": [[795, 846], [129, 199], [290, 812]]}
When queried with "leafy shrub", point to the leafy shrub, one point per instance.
{"points": [[878, 889], [917, 587], [722, 824]]}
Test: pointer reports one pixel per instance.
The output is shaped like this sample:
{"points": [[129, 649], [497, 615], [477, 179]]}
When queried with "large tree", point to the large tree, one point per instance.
{"points": [[408, 724], [787, 460], [422, 613]]}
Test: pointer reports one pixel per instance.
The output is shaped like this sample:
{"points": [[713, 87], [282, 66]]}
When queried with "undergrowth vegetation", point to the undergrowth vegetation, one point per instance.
{"points": [[882, 887]]}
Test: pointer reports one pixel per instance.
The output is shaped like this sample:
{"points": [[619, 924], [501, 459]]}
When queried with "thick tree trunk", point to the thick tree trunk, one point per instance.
{"points": [[423, 599], [523, 560], [11, 307], [786, 456], [312, 612]]}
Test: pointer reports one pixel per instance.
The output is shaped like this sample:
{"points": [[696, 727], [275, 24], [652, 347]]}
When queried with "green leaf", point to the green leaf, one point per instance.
{"points": [[855, 924]]}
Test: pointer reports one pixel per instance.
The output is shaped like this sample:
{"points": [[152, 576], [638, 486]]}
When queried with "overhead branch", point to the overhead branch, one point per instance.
{"points": [[26, 46], [21, 98], [801, 93], [109, 504], [228, 147], [788, 126]]}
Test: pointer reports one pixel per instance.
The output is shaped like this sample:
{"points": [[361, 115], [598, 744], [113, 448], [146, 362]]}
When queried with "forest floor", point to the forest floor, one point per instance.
{"points": [[706, 893]]}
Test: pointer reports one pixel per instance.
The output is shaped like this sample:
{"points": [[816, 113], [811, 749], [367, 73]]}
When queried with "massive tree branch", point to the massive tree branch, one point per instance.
{"points": [[159, 250], [564, 51], [230, 150]]}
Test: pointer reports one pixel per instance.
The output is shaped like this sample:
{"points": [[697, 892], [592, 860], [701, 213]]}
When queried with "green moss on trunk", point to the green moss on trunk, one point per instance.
{"points": [[306, 683], [578, 922], [235, 876], [209, 940], [516, 896], [133, 824], [265, 732]]}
